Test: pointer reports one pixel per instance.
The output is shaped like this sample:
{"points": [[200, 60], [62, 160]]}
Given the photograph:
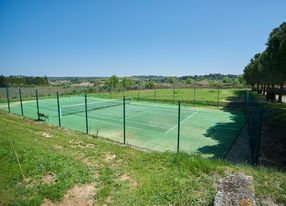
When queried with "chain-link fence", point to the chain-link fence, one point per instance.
{"points": [[202, 96], [174, 126], [254, 112]]}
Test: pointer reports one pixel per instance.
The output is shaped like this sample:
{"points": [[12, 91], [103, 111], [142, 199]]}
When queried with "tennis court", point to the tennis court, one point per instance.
{"points": [[209, 132]]}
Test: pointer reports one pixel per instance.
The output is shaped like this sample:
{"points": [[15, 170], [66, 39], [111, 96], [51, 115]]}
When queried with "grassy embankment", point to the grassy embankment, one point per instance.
{"points": [[122, 175]]}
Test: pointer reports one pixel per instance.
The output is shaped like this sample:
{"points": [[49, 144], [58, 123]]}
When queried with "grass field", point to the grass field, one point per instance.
{"points": [[209, 132], [120, 175], [200, 96]]}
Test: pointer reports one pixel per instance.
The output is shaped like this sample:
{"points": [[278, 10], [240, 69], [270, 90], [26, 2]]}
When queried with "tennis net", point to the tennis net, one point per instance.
{"points": [[79, 108]]}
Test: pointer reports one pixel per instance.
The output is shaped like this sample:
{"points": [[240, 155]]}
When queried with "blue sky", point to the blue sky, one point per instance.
{"points": [[133, 37]]}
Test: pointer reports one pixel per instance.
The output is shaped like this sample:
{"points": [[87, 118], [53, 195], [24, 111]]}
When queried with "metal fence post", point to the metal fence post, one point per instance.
{"points": [[59, 109], [21, 102], [173, 95], [138, 94], [194, 95], [8, 100], [37, 101], [86, 116], [218, 97], [258, 135], [245, 101], [124, 132], [179, 122]]}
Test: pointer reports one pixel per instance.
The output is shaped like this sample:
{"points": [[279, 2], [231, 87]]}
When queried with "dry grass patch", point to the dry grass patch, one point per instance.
{"points": [[109, 157], [79, 195], [128, 178], [49, 178]]}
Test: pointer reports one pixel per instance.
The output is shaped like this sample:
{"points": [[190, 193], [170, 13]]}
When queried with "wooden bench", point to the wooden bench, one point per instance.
{"points": [[42, 117]]}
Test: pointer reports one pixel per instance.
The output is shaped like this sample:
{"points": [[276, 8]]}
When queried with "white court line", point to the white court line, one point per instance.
{"points": [[135, 122], [102, 120], [135, 115], [180, 122]]}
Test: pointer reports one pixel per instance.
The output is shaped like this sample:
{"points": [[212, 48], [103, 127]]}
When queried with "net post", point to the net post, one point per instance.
{"points": [[8, 100], [124, 119], [37, 101], [21, 101], [59, 110], [154, 95], [179, 122], [110, 92], [86, 116]]}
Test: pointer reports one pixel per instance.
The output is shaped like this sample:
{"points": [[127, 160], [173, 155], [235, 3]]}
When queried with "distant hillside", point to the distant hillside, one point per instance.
{"points": [[157, 78]]}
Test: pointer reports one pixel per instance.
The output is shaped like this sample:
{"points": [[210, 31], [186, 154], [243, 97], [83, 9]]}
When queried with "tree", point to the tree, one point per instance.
{"points": [[3, 81], [23, 80], [189, 81], [171, 80], [269, 67], [264, 67], [126, 82], [149, 85], [113, 81], [226, 80], [277, 51], [251, 73]]}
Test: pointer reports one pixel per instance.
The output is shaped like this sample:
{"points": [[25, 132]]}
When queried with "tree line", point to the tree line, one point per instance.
{"points": [[22, 81], [268, 68]]}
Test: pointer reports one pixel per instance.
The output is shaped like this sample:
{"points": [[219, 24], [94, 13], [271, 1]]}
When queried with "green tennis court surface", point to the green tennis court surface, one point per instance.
{"points": [[209, 132]]}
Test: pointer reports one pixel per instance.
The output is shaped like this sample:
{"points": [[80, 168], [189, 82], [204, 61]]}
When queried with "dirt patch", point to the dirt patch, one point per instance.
{"points": [[90, 145], [107, 201], [126, 177], [134, 184], [49, 178], [79, 195], [268, 202], [57, 147], [29, 182], [46, 134], [80, 144], [109, 157], [76, 143]]}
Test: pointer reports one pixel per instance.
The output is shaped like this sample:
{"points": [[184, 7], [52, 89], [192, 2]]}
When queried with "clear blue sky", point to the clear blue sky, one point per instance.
{"points": [[133, 37]]}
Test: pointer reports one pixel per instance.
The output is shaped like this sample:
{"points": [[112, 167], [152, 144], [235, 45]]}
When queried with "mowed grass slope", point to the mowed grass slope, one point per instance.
{"points": [[122, 175]]}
